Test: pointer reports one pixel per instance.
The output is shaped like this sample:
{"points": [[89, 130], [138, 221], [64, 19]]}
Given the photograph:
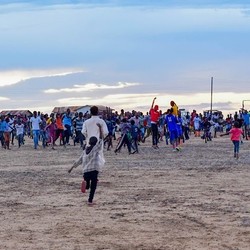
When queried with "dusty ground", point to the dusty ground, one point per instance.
{"points": [[196, 199]]}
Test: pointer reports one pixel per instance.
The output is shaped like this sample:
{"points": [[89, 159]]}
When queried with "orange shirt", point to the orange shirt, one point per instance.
{"points": [[59, 123]]}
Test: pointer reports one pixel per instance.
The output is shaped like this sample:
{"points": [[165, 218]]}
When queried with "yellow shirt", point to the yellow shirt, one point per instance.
{"points": [[175, 110]]}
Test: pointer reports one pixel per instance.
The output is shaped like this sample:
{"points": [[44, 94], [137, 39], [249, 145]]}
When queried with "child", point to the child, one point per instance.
{"points": [[135, 131], [171, 126], [236, 133], [92, 161], [51, 129], [125, 129], [19, 132]]}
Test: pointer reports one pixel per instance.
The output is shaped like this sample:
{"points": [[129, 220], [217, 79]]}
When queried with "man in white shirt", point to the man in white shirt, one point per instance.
{"points": [[90, 127], [35, 125]]}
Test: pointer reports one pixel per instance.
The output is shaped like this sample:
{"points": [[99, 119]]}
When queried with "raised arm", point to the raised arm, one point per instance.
{"points": [[153, 102]]}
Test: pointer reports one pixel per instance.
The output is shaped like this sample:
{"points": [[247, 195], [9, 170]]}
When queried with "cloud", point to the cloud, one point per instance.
{"points": [[3, 98], [91, 87], [12, 77], [73, 100]]}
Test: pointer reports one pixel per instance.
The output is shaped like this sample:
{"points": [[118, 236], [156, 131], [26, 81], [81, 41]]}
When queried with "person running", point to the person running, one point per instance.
{"points": [[7, 130], [2, 128], [20, 132], [147, 127], [135, 132], [246, 122], [175, 108], [67, 124], [51, 131], [197, 125], [236, 133], [92, 161], [171, 123], [60, 128], [35, 121], [89, 128], [125, 136], [78, 122], [111, 129]]}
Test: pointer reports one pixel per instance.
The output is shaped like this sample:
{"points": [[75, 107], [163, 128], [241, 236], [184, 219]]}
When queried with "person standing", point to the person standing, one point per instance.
{"points": [[154, 117], [35, 126]]}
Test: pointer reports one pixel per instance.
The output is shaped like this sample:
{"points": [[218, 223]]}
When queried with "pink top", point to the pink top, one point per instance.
{"points": [[235, 134]]}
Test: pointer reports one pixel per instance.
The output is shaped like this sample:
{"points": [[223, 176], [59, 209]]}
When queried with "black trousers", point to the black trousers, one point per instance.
{"points": [[154, 128], [91, 182]]}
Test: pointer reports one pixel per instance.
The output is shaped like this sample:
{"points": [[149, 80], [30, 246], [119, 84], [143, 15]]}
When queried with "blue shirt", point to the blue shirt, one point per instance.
{"points": [[67, 120], [246, 119], [3, 126], [171, 121], [134, 131]]}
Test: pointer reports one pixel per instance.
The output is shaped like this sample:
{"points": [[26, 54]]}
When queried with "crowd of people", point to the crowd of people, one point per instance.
{"points": [[128, 128], [94, 132]]}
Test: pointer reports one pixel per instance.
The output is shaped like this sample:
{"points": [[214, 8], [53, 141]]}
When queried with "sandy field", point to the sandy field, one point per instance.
{"points": [[196, 199]]}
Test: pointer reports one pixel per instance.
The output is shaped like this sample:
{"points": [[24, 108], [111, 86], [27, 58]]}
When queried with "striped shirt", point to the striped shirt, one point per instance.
{"points": [[78, 124]]}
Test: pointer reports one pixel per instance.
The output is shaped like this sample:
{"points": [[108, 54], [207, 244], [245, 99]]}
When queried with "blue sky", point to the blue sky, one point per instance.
{"points": [[123, 53]]}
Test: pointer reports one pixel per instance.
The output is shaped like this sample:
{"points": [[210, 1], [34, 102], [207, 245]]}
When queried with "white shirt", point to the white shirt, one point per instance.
{"points": [[19, 129], [35, 121], [90, 128]]}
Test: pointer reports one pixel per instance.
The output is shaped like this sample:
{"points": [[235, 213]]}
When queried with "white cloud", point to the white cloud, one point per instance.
{"points": [[12, 77], [73, 101], [91, 87], [3, 98]]}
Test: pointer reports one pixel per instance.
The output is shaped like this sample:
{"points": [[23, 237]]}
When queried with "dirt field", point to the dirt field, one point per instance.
{"points": [[196, 199]]}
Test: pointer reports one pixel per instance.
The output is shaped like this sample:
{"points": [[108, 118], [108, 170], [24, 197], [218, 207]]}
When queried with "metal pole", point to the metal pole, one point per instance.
{"points": [[211, 107]]}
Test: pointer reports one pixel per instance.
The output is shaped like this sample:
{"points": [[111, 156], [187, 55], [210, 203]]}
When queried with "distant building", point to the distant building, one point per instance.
{"points": [[84, 109], [62, 110], [16, 112]]}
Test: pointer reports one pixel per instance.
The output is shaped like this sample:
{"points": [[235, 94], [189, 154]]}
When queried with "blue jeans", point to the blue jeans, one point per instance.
{"points": [[236, 146], [35, 137], [20, 140]]}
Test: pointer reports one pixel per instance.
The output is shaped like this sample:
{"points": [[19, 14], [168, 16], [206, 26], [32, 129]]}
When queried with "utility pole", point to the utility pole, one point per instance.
{"points": [[211, 103]]}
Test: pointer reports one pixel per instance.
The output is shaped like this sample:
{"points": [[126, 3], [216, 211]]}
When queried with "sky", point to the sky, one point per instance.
{"points": [[122, 54]]}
